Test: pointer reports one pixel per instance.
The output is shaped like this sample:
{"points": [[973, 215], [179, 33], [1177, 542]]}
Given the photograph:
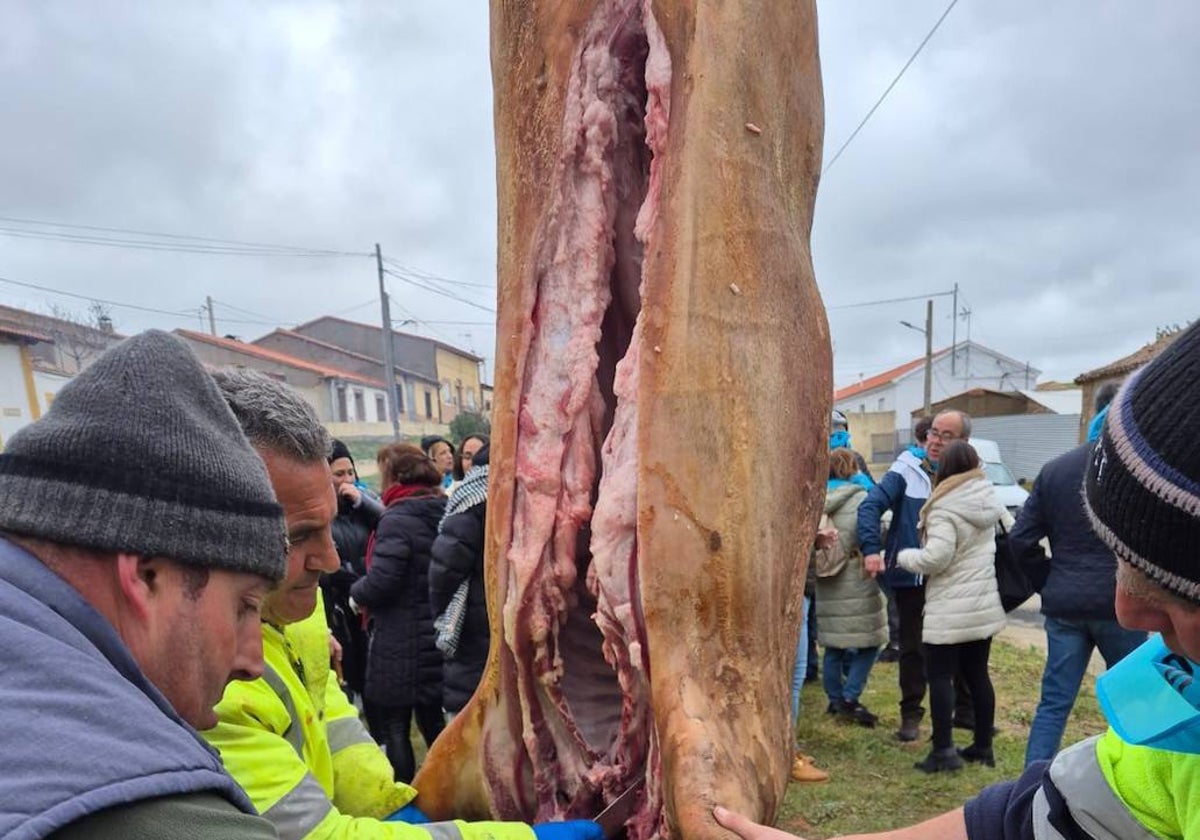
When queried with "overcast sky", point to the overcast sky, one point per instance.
{"points": [[1040, 155]]}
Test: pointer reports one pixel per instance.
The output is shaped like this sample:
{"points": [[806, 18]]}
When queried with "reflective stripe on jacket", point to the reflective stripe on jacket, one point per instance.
{"points": [[297, 746], [1078, 800]]}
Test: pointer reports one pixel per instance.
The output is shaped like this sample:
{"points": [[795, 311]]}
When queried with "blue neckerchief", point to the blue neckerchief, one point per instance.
{"points": [[835, 483], [839, 440], [861, 480], [917, 452], [447, 480], [1097, 425]]}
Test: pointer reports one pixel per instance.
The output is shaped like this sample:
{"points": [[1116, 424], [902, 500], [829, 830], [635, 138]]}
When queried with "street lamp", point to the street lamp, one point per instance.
{"points": [[928, 333]]}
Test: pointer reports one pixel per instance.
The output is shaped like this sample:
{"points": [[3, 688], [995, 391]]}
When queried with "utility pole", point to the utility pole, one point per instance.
{"points": [[212, 319], [389, 352], [929, 355], [928, 331], [954, 335]]}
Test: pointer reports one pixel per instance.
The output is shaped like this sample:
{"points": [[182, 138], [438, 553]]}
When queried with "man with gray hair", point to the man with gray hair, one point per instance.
{"points": [[292, 739], [139, 537]]}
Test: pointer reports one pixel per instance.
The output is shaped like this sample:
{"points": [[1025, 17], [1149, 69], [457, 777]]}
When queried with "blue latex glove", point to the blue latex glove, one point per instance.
{"points": [[408, 814], [569, 830]]}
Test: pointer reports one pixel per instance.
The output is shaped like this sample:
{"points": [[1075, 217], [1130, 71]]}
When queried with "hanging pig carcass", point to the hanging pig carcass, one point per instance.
{"points": [[662, 398]]}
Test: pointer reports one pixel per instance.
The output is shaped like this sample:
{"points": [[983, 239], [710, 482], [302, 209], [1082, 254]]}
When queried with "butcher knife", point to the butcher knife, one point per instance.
{"points": [[613, 818]]}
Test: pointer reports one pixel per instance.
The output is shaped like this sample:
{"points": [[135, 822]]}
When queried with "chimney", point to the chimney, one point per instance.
{"points": [[105, 324]]}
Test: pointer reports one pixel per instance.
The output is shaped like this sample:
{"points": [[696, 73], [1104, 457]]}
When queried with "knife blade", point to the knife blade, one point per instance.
{"points": [[613, 818]]}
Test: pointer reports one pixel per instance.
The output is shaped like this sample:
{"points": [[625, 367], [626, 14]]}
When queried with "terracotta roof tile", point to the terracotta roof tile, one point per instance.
{"points": [[885, 378]]}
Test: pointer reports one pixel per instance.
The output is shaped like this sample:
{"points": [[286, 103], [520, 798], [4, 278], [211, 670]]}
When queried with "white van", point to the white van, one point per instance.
{"points": [[1010, 494]]}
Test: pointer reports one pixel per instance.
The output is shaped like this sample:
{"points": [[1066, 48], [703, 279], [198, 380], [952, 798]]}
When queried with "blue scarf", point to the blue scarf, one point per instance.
{"points": [[839, 440]]}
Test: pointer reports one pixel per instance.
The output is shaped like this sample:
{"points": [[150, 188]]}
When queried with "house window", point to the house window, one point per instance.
{"points": [[882, 403], [471, 399], [428, 404], [862, 408], [458, 393], [447, 394], [380, 408], [341, 404], [360, 406]]}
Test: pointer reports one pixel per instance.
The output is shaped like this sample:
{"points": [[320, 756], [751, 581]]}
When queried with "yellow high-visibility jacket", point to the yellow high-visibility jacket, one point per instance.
{"points": [[296, 745]]}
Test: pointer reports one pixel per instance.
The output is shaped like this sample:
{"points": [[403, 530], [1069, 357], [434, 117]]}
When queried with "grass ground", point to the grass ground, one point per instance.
{"points": [[873, 785]]}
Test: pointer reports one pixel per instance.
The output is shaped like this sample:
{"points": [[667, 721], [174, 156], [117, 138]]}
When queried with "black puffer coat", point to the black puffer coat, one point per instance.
{"points": [[404, 668], [458, 556]]}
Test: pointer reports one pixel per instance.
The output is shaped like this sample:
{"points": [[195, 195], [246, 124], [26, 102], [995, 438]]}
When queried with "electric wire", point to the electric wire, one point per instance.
{"points": [[879, 102], [188, 313], [234, 243], [438, 291]]}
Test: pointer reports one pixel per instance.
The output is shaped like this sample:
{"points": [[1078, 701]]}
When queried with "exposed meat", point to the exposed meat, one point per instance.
{"points": [[645, 552]]}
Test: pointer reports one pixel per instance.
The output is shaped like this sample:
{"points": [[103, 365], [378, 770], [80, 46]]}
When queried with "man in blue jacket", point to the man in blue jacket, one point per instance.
{"points": [[903, 490], [1077, 596]]}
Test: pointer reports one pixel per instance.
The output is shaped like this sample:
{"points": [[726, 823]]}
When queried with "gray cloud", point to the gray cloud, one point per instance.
{"points": [[1039, 155]]}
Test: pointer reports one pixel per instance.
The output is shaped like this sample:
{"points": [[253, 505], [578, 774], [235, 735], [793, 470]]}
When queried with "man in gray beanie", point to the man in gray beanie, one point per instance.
{"points": [[139, 535], [1140, 779]]}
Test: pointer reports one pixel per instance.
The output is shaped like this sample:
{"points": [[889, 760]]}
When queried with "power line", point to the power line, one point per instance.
{"points": [[92, 298], [243, 311], [236, 243], [425, 275], [863, 303], [438, 291], [879, 102], [149, 245]]}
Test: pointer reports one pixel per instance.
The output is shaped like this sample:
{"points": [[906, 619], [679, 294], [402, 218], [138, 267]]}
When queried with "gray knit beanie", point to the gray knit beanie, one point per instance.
{"points": [[140, 454]]}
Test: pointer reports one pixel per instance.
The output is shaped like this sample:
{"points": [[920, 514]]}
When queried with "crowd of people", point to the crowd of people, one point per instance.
{"points": [[198, 629], [1121, 517], [915, 562]]}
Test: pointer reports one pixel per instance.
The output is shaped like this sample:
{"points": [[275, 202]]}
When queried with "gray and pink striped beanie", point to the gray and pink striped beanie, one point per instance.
{"points": [[1142, 488]]}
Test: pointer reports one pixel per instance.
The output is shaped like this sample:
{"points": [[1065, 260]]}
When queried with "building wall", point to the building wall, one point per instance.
{"points": [[459, 378], [47, 385], [1028, 441], [873, 435], [15, 409], [411, 352]]}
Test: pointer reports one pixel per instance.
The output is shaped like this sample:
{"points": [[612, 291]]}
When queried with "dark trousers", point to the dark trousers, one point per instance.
{"points": [[910, 604], [971, 659], [392, 725]]}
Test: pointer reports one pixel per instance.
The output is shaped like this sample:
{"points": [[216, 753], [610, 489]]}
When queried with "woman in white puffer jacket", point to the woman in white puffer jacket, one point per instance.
{"points": [[962, 603]]}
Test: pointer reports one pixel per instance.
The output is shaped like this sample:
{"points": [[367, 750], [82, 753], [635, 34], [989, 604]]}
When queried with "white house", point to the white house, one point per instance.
{"points": [[901, 390]]}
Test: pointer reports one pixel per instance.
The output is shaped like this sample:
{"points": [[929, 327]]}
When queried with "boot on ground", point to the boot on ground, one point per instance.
{"points": [[940, 761]]}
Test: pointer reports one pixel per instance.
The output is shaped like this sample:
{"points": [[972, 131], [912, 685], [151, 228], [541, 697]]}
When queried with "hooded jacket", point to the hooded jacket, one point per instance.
{"points": [[958, 557], [851, 609]]}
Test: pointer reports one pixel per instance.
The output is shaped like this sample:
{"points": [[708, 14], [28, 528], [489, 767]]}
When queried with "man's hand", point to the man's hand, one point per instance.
{"points": [[350, 492], [826, 537], [873, 565], [747, 829]]}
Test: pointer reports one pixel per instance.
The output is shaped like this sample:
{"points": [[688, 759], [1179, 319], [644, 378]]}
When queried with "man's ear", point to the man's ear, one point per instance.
{"points": [[139, 579]]}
